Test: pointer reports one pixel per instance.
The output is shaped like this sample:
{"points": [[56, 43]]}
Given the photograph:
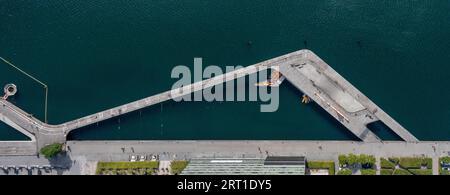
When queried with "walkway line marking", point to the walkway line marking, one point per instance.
{"points": [[35, 79]]}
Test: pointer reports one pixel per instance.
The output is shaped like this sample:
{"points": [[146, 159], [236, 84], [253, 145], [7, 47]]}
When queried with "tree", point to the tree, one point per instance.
{"points": [[371, 160], [445, 159], [51, 150], [343, 160], [352, 159], [367, 161]]}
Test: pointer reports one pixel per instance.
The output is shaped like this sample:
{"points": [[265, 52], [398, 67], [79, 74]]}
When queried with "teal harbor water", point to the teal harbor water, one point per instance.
{"points": [[94, 55]]}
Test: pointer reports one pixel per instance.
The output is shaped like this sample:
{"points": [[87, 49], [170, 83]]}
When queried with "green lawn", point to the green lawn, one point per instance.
{"points": [[421, 171], [394, 160], [386, 171], [178, 166], [444, 172], [321, 165], [344, 172], [126, 168], [428, 163], [401, 172], [408, 165], [368, 172], [415, 162], [386, 164]]}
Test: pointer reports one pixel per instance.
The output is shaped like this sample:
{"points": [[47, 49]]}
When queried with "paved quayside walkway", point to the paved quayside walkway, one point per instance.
{"points": [[83, 155], [313, 150]]}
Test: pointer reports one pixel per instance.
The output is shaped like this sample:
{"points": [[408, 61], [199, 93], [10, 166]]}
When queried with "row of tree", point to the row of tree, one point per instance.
{"points": [[366, 161]]}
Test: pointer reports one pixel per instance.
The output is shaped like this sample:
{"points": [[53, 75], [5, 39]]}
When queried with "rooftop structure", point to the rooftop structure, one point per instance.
{"points": [[272, 165]]}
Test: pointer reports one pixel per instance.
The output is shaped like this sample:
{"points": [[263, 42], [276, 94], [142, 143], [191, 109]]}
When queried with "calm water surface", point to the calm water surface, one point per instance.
{"points": [[94, 55]]}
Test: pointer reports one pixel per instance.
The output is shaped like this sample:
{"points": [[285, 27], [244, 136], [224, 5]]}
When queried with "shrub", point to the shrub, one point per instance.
{"points": [[127, 165], [126, 168], [51, 150], [343, 160], [178, 166], [367, 161], [352, 159], [445, 159]]}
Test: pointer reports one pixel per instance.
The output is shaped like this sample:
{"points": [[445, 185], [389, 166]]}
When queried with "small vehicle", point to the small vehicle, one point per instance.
{"points": [[142, 158], [133, 158]]}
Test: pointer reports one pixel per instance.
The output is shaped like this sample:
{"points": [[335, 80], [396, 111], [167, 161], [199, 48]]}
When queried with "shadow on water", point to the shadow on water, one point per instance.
{"points": [[383, 131], [212, 120], [106, 129], [326, 116], [8, 133]]}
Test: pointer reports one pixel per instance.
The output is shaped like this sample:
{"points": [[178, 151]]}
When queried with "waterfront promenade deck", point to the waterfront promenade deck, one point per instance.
{"points": [[312, 150], [302, 68]]}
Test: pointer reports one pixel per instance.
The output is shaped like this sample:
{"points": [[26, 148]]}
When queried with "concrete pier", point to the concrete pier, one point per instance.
{"points": [[302, 68]]}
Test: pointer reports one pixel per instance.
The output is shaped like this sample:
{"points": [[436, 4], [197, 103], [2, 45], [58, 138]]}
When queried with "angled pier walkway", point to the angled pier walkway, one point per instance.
{"points": [[302, 68], [338, 97]]}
